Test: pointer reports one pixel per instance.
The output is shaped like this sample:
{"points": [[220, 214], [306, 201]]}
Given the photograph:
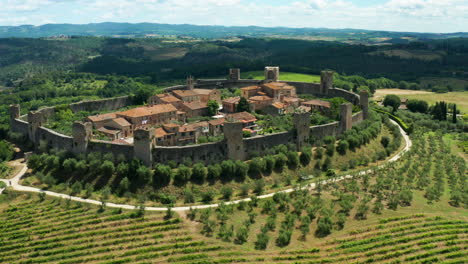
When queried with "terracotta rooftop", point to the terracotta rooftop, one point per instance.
{"points": [[148, 110], [290, 99], [305, 108], [198, 124], [217, 122], [121, 122], [108, 131], [184, 93], [232, 100], [260, 98], [317, 103], [160, 132], [278, 85], [171, 125], [278, 105], [195, 105], [120, 141], [97, 118], [203, 91], [186, 129], [170, 99], [243, 117], [254, 87]]}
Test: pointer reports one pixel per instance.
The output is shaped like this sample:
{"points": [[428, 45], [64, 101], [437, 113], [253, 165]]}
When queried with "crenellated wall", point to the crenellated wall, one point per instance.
{"points": [[210, 152], [321, 131], [358, 118]]}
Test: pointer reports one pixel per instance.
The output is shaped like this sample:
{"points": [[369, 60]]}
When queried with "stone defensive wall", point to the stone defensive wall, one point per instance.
{"points": [[234, 146], [102, 104]]}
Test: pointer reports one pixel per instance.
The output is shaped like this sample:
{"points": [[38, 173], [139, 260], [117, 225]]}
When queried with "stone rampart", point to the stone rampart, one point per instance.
{"points": [[260, 144], [108, 147], [206, 153], [19, 126], [321, 131], [102, 105], [358, 118], [54, 139]]}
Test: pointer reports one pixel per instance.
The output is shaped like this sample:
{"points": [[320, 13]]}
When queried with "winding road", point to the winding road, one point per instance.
{"points": [[14, 184]]}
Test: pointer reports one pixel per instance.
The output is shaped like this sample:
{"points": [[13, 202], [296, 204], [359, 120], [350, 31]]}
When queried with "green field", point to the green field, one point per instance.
{"points": [[459, 98], [284, 76]]}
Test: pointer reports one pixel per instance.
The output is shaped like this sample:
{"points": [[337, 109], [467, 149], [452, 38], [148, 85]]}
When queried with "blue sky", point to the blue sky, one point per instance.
{"points": [[393, 15]]}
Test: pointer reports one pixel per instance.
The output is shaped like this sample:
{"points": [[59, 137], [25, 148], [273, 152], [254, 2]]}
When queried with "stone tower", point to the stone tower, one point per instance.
{"points": [[190, 83], [326, 81], [14, 112], [35, 120], [143, 146], [81, 133], [271, 74], [364, 102], [346, 117], [302, 127], [234, 74], [234, 140]]}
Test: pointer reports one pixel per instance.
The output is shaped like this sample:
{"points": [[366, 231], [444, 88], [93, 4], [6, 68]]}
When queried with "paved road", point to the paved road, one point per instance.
{"points": [[14, 183]]}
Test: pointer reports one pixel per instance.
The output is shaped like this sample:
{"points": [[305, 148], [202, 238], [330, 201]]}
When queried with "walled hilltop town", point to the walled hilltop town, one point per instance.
{"points": [[161, 130]]}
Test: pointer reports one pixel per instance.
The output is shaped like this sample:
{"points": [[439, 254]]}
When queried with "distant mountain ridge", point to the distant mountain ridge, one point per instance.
{"points": [[109, 29]]}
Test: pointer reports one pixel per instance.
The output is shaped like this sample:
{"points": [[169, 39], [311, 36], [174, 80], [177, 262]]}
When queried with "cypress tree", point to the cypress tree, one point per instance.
{"points": [[454, 114]]}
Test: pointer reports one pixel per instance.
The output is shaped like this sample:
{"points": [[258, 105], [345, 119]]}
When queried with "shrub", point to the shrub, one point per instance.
{"points": [[385, 141], [392, 101], [226, 192], [241, 169], [214, 172], [259, 186], [241, 235], [144, 175], [306, 156], [284, 238], [207, 196], [262, 241], [199, 172], [280, 161], [256, 166], [189, 197], [324, 226], [319, 153], [342, 147], [228, 169], [183, 174], [245, 189], [293, 159], [269, 164], [162, 174]]}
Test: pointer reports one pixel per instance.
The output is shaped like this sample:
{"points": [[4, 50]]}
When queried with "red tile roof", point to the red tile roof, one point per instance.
{"points": [[317, 103], [195, 105], [148, 110], [217, 122], [232, 100], [254, 87], [260, 98], [184, 93], [121, 122], [278, 86], [243, 117], [102, 117], [204, 91], [160, 132], [108, 131]]}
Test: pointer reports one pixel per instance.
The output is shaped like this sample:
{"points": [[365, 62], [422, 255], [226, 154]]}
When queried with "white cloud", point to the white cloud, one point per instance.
{"points": [[402, 15]]}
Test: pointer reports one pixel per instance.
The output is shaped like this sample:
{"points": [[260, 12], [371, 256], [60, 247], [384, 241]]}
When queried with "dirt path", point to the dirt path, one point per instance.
{"points": [[14, 183]]}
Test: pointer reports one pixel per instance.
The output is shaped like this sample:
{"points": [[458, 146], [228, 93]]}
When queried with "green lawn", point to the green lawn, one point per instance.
{"points": [[284, 76]]}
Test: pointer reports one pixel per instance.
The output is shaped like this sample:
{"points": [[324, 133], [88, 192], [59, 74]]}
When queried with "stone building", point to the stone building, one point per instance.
{"points": [[278, 89], [99, 120], [146, 116], [194, 109], [206, 95], [230, 104], [187, 96], [260, 102], [165, 98]]}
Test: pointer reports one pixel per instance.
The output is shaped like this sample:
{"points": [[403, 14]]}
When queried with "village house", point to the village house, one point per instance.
{"points": [[146, 116], [260, 102], [278, 89], [206, 95], [99, 120], [187, 96], [230, 104], [165, 98], [250, 91], [194, 109]]}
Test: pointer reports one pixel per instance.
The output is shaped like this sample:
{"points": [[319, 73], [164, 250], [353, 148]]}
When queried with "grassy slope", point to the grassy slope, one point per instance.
{"points": [[284, 76], [459, 98]]}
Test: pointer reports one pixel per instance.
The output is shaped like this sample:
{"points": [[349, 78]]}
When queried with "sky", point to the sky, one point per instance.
{"points": [[440, 16]]}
